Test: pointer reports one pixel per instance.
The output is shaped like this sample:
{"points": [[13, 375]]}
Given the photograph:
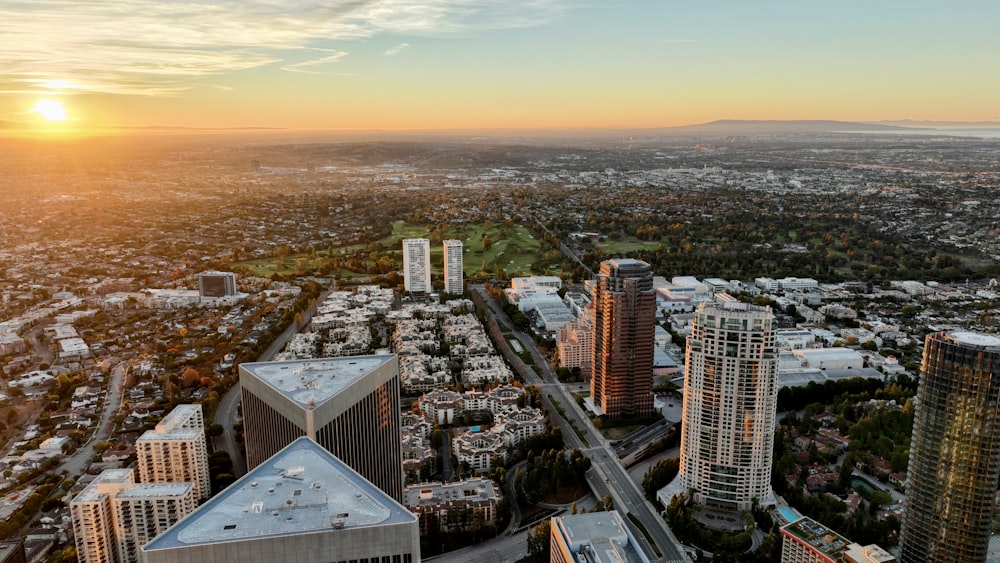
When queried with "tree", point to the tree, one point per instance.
{"points": [[538, 540], [190, 377]]}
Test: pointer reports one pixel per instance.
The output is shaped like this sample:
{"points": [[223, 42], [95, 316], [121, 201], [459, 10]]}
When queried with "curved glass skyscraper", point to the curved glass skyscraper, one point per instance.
{"points": [[955, 450]]}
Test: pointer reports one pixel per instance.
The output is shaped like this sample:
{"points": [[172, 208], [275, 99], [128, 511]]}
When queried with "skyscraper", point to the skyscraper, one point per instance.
{"points": [[730, 402], [453, 267], [417, 265], [624, 314], [349, 405], [302, 505], [954, 450], [175, 451]]}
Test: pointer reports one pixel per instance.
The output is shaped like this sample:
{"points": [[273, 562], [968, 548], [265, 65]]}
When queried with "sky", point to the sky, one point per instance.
{"points": [[493, 64]]}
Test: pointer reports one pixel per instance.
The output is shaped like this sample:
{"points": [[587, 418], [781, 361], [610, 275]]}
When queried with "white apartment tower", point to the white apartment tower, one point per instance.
{"points": [[730, 402], [176, 451], [453, 267], [113, 517], [145, 510], [417, 265]]}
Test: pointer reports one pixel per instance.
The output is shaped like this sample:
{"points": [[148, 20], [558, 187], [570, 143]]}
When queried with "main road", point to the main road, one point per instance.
{"points": [[627, 496]]}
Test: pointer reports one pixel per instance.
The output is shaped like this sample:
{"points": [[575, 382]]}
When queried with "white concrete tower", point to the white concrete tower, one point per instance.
{"points": [[730, 402], [417, 265], [453, 267]]}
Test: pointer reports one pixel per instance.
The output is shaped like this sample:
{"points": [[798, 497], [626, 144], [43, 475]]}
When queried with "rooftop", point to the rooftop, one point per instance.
{"points": [[175, 434], [312, 382], [155, 490], [602, 535], [94, 491], [301, 489], [975, 339]]}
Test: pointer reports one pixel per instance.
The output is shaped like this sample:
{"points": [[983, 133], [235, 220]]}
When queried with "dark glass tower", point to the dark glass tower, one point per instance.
{"points": [[955, 450], [624, 318]]}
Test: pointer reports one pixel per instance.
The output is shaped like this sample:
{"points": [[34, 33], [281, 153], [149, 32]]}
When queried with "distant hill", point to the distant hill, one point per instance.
{"points": [[770, 127]]}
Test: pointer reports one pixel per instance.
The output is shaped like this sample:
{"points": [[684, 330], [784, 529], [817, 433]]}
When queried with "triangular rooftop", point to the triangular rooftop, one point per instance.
{"points": [[310, 383], [301, 489]]}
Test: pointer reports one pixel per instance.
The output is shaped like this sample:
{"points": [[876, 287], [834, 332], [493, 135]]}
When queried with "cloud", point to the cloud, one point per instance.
{"points": [[675, 41], [152, 47], [397, 49], [305, 66]]}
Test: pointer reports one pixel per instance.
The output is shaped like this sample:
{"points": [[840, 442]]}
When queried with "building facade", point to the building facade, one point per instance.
{"points": [[217, 284], [113, 517], [954, 450], [417, 265], [303, 505], [350, 406], [175, 451], [730, 402], [93, 517], [575, 342], [453, 273], [145, 510], [621, 383]]}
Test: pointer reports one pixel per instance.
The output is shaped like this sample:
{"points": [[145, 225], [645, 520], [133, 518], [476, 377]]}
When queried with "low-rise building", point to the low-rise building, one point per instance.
{"points": [[599, 537], [807, 541], [476, 498]]}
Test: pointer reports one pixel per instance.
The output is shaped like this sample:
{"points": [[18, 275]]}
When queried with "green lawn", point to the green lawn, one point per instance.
{"points": [[514, 249], [626, 245], [518, 246]]}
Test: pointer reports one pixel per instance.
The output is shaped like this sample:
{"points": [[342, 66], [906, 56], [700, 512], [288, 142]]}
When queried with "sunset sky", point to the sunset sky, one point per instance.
{"points": [[445, 64]]}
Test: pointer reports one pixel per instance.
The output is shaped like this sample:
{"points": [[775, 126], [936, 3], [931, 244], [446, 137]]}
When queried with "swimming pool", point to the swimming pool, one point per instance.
{"points": [[789, 514]]}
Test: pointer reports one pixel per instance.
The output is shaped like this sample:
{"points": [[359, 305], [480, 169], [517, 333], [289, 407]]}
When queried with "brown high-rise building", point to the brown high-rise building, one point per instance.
{"points": [[624, 317]]}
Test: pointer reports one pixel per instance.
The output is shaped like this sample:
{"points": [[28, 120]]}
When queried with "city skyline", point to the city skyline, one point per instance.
{"points": [[76, 66]]}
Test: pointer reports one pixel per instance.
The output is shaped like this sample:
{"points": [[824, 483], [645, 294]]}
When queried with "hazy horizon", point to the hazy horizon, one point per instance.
{"points": [[481, 65]]}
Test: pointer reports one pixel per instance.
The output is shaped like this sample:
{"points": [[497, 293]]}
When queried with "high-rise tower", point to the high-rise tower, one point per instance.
{"points": [[453, 267], [417, 265], [954, 450], [349, 405], [624, 316], [730, 402], [175, 451]]}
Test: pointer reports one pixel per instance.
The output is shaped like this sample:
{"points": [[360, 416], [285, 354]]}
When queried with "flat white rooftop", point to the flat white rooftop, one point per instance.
{"points": [[155, 490], [301, 489], [310, 383], [175, 434]]}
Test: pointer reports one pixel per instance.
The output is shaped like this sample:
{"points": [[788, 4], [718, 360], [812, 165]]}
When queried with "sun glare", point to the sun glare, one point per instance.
{"points": [[50, 109]]}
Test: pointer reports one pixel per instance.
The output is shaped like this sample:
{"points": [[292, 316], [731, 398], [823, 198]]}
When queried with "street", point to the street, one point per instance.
{"points": [[77, 463], [627, 496]]}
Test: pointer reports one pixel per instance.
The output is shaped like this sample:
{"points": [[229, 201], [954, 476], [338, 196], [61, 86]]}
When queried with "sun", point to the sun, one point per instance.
{"points": [[51, 110]]}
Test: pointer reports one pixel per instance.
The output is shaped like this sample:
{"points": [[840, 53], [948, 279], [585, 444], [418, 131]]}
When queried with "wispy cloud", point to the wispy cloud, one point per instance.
{"points": [[674, 41], [397, 49], [307, 66], [152, 47]]}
